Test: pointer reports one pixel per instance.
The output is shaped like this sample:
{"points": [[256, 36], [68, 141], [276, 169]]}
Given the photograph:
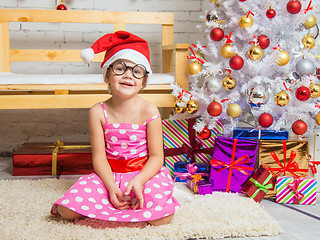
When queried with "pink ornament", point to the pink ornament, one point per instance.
{"points": [[303, 93]]}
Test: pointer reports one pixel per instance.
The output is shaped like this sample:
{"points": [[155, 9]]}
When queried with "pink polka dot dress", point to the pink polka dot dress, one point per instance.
{"points": [[125, 144]]}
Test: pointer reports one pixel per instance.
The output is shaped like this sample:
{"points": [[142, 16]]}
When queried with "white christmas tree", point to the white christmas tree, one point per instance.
{"points": [[259, 64]]}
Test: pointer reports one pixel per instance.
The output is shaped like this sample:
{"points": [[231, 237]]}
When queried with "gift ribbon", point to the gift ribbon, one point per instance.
{"points": [[191, 170], [195, 147], [264, 186], [233, 164], [312, 165], [195, 179], [294, 187], [290, 167]]}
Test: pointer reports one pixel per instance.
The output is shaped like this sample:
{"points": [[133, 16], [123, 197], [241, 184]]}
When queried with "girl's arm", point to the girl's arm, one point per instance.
{"points": [[99, 159]]}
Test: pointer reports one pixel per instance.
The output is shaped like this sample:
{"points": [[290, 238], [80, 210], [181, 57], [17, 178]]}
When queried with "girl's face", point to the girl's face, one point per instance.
{"points": [[126, 83]]}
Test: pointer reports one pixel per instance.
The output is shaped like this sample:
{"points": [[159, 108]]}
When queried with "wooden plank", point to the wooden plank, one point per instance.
{"points": [[71, 101], [4, 47], [78, 16]]}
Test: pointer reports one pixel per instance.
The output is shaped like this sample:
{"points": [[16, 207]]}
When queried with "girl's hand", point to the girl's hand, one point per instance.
{"points": [[136, 186], [117, 199]]}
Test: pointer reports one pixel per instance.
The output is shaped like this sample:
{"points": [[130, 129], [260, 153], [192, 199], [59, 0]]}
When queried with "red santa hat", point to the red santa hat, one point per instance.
{"points": [[119, 45]]}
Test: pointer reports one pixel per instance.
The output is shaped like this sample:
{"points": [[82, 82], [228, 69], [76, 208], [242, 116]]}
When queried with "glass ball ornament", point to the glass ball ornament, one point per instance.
{"points": [[229, 83], [308, 42], [305, 66], [205, 133], [281, 99], [292, 77], [294, 6], [314, 90], [61, 6], [255, 53], [192, 106], [317, 119], [245, 22], [178, 108], [265, 120], [217, 34], [299, 127], [283, 58], [302, 93], [212, 84], [227, 51], [214, 109], [194, 68], [271, 13], [256, 96], [263, 41], [236, 62], [211, 17], [310, 22], [234, 110]]}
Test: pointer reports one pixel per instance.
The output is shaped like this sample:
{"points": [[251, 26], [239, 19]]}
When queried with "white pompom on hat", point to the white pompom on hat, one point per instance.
{"points": [[119, 45]]}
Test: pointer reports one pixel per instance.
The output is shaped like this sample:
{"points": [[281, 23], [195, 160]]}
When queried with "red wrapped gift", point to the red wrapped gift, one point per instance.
{"points": [[52, 159], [259, 184]]}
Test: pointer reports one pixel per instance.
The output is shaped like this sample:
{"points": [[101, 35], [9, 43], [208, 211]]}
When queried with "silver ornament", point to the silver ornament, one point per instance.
{"points": [[256, 96], [212, 84], [211, 17], [314, 31], [305, 66], [292, 77]]}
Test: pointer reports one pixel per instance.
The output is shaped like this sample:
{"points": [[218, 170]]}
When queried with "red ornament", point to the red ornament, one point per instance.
{"points": [[318, 73], [242, 0], [217, 34], [265, 120], [214, 109], [294, 6], [61, 7], [299, 127], [263, 41], [271, 13], [303, 93], [236, 62], [205, 133]]}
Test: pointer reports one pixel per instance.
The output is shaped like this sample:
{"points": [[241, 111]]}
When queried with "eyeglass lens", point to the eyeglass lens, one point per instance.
{"points": [[138, 71]]}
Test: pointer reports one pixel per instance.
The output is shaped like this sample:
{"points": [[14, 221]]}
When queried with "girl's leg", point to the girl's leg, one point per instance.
{"points": [[68, 214], [161, 221]]}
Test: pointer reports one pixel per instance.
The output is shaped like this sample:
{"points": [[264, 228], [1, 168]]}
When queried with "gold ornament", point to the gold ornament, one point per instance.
{"points": [[283, 58], [226, 51], [310, 22], [228, 82], [255, 53], [177, 108], [192, 106], [234, 110], [245, 22], [314, 90], [194, 68], [308, 42], [282, 98], [318, 118]]}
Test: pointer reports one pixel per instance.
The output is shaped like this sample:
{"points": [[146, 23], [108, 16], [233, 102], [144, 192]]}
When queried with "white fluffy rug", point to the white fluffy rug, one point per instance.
{"points": [[25, 206]]}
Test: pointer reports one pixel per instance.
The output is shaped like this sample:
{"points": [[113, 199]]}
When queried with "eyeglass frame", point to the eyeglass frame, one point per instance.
{"points": [[128, 67]]}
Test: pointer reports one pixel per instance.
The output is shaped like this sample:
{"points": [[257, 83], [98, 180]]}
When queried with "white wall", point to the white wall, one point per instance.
{"points": [[19, 126]]}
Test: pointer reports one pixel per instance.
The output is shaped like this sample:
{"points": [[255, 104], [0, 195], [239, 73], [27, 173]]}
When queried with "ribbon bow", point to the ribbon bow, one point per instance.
{"points": [[195, 179], [228, 38], [304, 11], [190, 151], [294, 187], [312, 165], [191, 170], [261, 187], [194, 56]]}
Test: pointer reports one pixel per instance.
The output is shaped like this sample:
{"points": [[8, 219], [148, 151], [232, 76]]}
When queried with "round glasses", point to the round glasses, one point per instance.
{"points": [[138, 70]]}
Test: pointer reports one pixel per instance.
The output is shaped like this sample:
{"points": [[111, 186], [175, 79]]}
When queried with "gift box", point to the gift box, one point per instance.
{"points": [[199, 185], [182, 170], [182, 144], [232, 163], [246, 133], [284, 158], [259, 184], [52, 159], [292, 190]]}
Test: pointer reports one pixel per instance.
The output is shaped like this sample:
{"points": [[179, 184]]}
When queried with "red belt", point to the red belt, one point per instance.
{"points": [[124, 166]]}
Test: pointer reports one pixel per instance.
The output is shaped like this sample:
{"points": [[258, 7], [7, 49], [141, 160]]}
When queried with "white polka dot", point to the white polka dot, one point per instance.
{"points": [[156, 185], [125, 216], [83, 182], [147, 190], [165, 184], [143, 154], [138, 210], [162, 173], [100, 190], [91, 215], [176, 208], [159, 196], [133, 151], [108, 146], [66, 201], [113, 219], [85, 208], [105, 213], [143, 142], [95, 181], [149, 204], [134, 220], [115, 153], [169, 176], [73, 209], [158, 208], [126, 184], [74, 191], [169, 200], [79, 199], [114, 139], [92, 176], [92, 200], [106, 131], [147, 214], [167, 192], [167, 214], [135, 126], [104, 201], [116, 125], [156, 176], [111, 208], [133, 138], [124, 145], [87, 190], [122, 131], [98, 206]]}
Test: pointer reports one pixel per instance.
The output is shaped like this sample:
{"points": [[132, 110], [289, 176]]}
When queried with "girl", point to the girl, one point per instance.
{"points": [[130, 183]]}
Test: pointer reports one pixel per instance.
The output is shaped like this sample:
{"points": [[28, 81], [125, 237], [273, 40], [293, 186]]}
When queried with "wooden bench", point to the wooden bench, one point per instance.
{"points": [[44, 96]]}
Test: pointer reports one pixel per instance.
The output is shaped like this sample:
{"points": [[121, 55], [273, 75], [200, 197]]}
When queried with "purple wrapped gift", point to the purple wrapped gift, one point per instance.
{"points": [[232, 163], [201, 186]]}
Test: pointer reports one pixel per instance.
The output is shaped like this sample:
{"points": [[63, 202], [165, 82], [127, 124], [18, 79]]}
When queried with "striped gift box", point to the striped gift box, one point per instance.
{"points": [[180, 136], [296, 190]]}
